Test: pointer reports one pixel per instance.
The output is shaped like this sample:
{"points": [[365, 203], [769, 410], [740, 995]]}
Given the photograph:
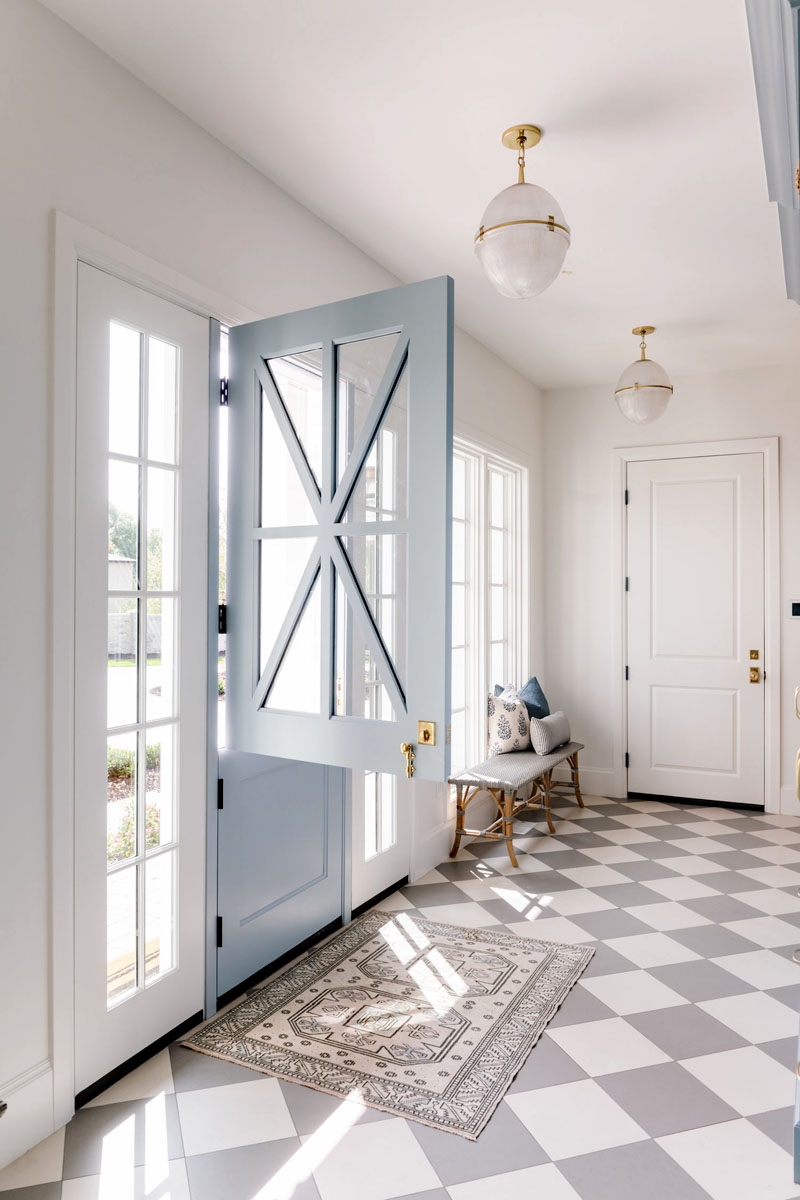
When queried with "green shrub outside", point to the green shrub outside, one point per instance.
{"points": [[121, 763], [121, 842]]}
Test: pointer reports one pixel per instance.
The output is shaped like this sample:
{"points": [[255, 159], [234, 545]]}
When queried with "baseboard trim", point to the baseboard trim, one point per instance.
{"points": [[136, 1060], [29, 1118], [596, 781], [694, 803], [373, 900]]}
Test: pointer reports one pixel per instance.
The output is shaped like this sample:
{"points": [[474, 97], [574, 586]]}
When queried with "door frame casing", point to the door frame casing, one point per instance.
{"points": [[769, 449], [74, 242]]}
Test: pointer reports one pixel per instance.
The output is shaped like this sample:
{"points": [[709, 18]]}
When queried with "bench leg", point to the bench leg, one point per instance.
{"points": [[508, 825], [547, 787], [576, 782], [459, 820]]}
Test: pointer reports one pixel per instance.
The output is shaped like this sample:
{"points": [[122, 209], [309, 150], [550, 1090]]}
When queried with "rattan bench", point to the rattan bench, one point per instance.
{"points": [[503, 776]]}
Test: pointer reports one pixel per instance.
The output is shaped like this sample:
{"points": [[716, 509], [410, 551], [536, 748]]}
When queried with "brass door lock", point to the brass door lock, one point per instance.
{"points": [[755, 675], [408, 751], [426, 733]]}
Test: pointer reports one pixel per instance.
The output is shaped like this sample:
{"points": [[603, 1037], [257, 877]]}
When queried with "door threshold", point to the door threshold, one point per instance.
{"points": [[393, 887], [130, 1064], [692, 800]]}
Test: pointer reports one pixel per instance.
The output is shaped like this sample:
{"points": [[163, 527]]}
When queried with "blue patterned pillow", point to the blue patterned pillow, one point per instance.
{"points": [[534, 697]]}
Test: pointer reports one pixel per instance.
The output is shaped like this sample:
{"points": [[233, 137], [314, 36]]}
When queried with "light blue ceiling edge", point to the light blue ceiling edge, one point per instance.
{"points": [[774, 28]]}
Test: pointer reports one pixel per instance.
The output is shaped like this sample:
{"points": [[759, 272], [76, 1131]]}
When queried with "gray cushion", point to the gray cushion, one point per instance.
{"points": [[549, 733], [512, 771]]}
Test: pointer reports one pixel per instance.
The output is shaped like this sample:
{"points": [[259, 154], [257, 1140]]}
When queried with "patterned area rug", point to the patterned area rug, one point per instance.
{"points": [[422, 1020]]}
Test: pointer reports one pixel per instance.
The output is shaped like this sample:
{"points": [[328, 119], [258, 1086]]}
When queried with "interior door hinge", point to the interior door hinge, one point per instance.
{"points": [[222, 618], [223, 393], [627, 583], [627, 759], [219, 932], [220, 788], [627, 496], [627, 676]]}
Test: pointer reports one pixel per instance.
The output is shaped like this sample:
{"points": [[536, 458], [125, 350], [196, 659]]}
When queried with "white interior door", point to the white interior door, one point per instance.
{"points": [[140, 709], [382, 808], [696, 628]]}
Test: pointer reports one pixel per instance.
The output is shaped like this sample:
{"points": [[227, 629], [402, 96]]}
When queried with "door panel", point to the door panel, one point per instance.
{"points": [[140, 644], [695, 613], [339, 531], [280, 859]]}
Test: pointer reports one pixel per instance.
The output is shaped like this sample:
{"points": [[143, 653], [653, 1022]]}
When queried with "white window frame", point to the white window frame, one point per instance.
{"points": [[478, 678]]}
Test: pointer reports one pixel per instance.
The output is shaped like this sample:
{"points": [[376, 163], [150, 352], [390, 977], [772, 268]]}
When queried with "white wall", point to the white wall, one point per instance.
{"points": [[81, 135], [581, 428]]}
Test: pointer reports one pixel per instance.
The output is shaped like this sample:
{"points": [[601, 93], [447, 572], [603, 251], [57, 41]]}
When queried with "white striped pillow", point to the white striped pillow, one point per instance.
{"points": [[550, 732]]}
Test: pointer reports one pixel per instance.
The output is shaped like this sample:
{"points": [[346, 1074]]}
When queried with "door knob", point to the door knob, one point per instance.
{"points": [[796, 698], [755, 675], [407, 750]]}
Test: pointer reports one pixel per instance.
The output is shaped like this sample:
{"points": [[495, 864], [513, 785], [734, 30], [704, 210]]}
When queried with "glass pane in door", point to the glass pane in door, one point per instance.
{"points": [[284, 499], [121, 792], [124, 386], [282, 562], [122, 922], [359, 686], [381, 490], [298, 378], [296, 687], [360, 379], [162, 409]]}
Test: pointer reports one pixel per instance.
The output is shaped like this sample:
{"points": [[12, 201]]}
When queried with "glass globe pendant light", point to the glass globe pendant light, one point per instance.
{"points": [[643, 391], [523, 237]]}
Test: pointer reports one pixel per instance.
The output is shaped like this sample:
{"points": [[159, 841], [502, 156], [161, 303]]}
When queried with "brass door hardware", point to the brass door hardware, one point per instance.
{"points": [[796, 700], [408, 750], [754, 655], [426, 733], [755, 675]]}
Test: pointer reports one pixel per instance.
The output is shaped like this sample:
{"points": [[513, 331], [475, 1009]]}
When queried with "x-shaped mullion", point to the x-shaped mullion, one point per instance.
{"points": [[290, 437]]}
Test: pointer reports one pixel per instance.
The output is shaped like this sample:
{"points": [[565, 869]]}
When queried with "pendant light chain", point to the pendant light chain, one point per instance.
{"points": [[521, 139]]}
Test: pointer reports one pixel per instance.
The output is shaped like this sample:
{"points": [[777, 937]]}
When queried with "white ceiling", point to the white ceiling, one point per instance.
{"points": [[385, 119]]}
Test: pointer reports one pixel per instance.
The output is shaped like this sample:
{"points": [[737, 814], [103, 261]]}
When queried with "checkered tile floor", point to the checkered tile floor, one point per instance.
{"points": [[668, 1072]]}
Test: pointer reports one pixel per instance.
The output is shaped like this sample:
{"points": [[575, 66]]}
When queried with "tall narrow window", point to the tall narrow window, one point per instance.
{"points": [[143, 623], [489, 589]]}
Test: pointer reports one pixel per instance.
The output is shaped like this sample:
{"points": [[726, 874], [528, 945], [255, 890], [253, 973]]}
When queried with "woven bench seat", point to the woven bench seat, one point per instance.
{"points": [[504, 776]]}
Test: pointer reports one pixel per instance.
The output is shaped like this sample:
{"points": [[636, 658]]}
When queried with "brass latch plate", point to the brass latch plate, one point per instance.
{"points": [[426, 733]]}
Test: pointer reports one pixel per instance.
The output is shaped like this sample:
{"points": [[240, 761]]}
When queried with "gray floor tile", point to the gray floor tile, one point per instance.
{"points": [[740, 841], [701, 980], [792, 918], [663, 848], [504, 913], [310, 1108], [436, 1194], [191, 1071], [467, 870], [736, 860], [606, 961], [608, 825], [583, 841], [666, 1099], [731, 881], [610, 922], [790, 996], [713, 941], [40, 1191], [428, 895], [778, 1125], [648, 868], [504, 1145], [783, 1050], [628, 895], [579, 1006], [83, 1141], [242, 1173], [630, 1173], [541, 881], [546, 1065], [720, 908], [685, 1031]]}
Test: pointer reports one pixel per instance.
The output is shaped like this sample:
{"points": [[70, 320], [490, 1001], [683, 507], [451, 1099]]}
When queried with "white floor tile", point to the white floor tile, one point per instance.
{"points": [[778, 837], [669, 915], [433, 876], [545, 1183], [692, 864], [235, 1114], [155, 1181], [632, 992], [681, 887], [655, 806], [603, 1047], [747, 1079], [394, 903], [733, 1161], [612, 854], [553, 929], [770, 900], [709, 829], [469, 915], [41, 1164], [777, 854], [589, 877], [390, 1163], [700, 845], [625, 837], [580, 900], [495, 889], [754, 1015], [774, 877], [651, 949], [574, 1118], [762, 968], [639, 820], [765, 931], [150, 1079]]}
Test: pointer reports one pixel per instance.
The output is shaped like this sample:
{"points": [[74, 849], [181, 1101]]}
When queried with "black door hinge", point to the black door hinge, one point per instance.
{"points": [[627, 583], [222, 618], [627, 676], [627, 759], [627, 496], [219, 932], [223, 393], [220, 803]]}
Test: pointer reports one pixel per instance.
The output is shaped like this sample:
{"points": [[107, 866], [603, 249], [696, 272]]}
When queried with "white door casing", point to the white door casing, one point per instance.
{"points": [[107, 1036], [695, 611]]}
